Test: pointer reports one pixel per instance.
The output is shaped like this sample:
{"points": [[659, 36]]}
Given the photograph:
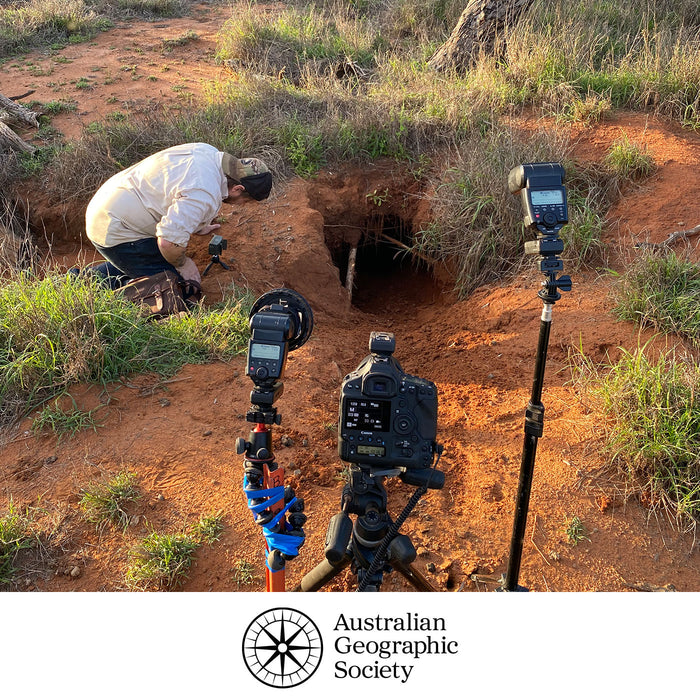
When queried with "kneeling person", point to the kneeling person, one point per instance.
{"points": [[141, 219]]}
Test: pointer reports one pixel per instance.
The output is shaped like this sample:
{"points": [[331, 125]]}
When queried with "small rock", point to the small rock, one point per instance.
{"points": [[164, 402], [297, 472], [207, 433], [286, 441], [305, 443], [135, 519], [75, 572], [160, 497], [430, 567]]}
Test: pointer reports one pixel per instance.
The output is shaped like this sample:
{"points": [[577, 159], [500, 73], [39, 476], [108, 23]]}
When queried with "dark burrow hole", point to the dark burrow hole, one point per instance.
{"points": [[387, 276]]}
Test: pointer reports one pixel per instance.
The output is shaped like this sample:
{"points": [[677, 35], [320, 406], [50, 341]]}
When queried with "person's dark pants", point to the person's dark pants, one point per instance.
{"points": [[127, 261]]}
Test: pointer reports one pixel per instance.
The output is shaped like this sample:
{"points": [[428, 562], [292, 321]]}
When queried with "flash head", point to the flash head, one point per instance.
{"points": [[543, 195]]}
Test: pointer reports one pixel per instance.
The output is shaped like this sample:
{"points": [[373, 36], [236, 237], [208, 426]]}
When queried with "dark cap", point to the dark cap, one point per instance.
{"points": [[252, 173]]}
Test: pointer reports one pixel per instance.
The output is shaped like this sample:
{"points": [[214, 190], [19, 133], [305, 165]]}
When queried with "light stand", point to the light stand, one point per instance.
{"points": [[544, 200]]}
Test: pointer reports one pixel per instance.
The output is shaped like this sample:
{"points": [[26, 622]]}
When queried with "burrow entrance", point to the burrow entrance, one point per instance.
{"points": [[375, 261]]}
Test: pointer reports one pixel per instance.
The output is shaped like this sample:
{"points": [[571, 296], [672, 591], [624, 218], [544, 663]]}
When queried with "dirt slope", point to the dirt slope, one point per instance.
{"points": [[178, 436]]}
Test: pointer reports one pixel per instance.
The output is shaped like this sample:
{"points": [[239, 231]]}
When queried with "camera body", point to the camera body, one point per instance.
{"points": [[387, 418]]}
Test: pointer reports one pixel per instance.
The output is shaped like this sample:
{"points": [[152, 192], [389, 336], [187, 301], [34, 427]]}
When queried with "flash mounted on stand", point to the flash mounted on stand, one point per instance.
{"points": [[280, 321]]}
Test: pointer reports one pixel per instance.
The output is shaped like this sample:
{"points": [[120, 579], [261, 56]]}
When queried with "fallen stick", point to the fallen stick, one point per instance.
{"points": [[675, 236]]}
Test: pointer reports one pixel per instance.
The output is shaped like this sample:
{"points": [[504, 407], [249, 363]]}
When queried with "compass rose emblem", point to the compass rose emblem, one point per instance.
{"points": [[282, 647]]}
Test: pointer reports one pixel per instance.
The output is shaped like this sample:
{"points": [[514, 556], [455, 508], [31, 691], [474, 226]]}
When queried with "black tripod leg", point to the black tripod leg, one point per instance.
{"points": [[320, 575], [416, 579]]}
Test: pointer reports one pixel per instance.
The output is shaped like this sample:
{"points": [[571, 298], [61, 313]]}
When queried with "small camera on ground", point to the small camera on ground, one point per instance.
{"points": [[388, 418], [217, 245]]}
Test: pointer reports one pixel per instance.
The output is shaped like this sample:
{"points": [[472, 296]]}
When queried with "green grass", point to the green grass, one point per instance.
{"points": [[243, 573], [25, 25], [62, 422], [106, 503], [653, 425], [60, 330], [15, 535], [575, 530], [660, 291], [161, 561], [628, 160], [208, 528]]}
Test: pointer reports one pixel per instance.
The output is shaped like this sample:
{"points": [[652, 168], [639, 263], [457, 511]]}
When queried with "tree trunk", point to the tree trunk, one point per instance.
{"points": [[476, 32], [13, 113]]}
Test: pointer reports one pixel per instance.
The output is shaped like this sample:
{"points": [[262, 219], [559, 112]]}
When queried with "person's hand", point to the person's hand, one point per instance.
{"points": [[188, 271], [207, 229]]}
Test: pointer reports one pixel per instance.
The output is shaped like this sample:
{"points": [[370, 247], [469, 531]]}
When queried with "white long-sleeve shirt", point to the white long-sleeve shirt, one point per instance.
{"points": [[169, 195]]}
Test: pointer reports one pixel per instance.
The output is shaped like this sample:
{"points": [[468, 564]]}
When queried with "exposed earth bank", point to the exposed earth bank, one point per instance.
{"points": [[178, 436]]}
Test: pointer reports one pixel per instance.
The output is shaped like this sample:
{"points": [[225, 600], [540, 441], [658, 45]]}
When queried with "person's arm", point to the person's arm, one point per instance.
{"points": [[188, 213], [175, 255]]}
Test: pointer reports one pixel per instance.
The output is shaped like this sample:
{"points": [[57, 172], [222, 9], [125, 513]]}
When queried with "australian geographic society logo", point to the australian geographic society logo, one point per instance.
{"points": [[282, 647]]}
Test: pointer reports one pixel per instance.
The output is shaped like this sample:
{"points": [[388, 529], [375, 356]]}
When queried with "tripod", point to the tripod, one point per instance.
{"points": [[215, 259], [371, 545]]}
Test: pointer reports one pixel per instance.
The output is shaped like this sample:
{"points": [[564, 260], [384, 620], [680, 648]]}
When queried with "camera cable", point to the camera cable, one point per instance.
{"points": [[393, 531]]}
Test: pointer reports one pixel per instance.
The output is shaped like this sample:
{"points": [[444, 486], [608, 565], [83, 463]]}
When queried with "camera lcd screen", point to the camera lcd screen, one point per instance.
{"points": [[364, 414], [264, 351], [371, 450], [540, 197]]}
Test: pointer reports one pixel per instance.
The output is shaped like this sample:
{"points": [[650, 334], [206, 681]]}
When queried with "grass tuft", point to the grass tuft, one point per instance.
{"points": [[661, 291], [653, 425], [15, 535], [161, 561], [64, 329], [106, 503], [208, 528]]}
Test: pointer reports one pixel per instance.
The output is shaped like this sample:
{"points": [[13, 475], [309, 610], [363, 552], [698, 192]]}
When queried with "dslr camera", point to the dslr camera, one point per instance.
{"points": [[388, 418]]}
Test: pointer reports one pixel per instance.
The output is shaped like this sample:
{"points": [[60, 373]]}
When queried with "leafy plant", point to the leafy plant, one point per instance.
{"points": [[575, 530]]}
